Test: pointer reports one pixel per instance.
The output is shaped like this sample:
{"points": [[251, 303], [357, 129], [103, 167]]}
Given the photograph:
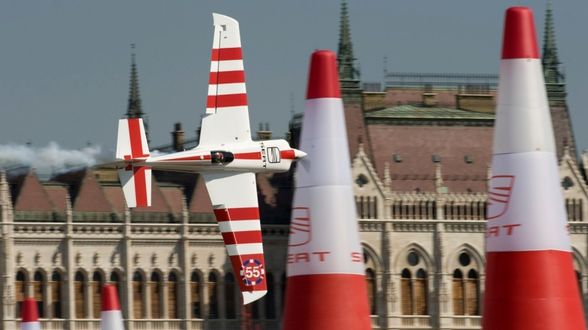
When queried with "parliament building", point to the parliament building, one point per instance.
{"points": [[421, 151]]}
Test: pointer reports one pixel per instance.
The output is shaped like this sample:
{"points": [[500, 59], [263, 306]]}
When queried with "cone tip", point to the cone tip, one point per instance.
{"points": [[323, 78], [29, 310], [519, 40], [110, 298]]}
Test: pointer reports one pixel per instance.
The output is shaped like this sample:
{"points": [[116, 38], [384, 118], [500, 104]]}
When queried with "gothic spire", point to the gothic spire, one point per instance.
{"points": [[134, 108], [550, 60], [555, 86], [347, 69]]}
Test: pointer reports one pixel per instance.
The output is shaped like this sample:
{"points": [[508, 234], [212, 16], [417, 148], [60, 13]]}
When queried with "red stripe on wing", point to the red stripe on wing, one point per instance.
{"points": [[242, 237], [226, 77], [227, 54], [229, 100], [237, 213]]}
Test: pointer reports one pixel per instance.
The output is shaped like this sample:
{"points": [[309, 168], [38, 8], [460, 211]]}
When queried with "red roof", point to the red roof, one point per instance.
{"points": [[464, 153], [30, 195]]}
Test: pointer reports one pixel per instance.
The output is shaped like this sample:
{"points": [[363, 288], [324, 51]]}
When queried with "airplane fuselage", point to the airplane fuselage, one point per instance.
{"points": [[253, 156]]}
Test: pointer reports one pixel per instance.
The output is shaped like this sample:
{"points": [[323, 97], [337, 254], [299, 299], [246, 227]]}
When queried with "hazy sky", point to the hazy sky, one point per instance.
{"points": [[64, 64]]}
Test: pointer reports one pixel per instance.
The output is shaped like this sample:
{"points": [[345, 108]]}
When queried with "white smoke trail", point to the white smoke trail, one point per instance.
{"points": [[50, 159]]}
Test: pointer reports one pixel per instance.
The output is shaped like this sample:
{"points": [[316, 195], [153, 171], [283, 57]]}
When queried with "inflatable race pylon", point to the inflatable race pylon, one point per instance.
{"points": [[326, 286], [530, 279], [111, 316], [30, 315]]}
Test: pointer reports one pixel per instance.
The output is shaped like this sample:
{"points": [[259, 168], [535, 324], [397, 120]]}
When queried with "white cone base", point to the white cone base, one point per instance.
{"points": [[30, 326], [111, 320]]}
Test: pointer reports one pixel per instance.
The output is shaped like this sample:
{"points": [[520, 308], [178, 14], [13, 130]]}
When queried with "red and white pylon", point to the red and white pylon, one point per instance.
{"points": [[530, 279], [30, 315], [111, 316], [326, 286]]}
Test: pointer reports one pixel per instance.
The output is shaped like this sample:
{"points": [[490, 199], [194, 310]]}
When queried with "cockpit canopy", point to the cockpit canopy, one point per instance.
{"points": [[221, 157]]}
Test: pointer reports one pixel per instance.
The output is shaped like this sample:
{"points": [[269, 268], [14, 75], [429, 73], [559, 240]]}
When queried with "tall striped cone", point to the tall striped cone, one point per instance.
{"points": [[111, 316], [326, 283], [530, 279], [30, 315]]}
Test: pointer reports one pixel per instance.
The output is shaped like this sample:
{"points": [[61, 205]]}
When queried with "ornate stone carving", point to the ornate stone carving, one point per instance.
{"points": [[56, 258], [172, 259], [115, 258]]}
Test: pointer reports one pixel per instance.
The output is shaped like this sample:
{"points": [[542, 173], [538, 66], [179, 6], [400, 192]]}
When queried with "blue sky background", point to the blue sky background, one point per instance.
{"points": [[64, 64]]}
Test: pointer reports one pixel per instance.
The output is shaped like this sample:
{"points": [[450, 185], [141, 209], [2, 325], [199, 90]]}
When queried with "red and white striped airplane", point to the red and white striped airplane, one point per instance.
{"points": [[226, 157]]}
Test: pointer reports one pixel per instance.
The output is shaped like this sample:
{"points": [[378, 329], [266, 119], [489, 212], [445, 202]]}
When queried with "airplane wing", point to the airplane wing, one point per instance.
{"points": [[234, 200], [227, 115]]}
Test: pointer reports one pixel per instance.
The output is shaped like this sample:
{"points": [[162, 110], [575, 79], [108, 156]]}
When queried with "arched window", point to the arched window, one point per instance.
{"points": [[406, 292], [172, 296], [97, 283], [39, 292], [458, 301], [195, 294], [20, 291], [270, 298], [370, 278], [56, 299], [472, 293], [230, 308], [115, 279], [212, 296], [80, 295], [138, 296], [466, 286], [371, 265], [420, 292], [155, 287], [414, 286]]}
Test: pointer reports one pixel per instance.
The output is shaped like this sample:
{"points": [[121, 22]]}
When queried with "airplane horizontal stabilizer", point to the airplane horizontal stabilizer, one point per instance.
{"points": [[136, 183]]}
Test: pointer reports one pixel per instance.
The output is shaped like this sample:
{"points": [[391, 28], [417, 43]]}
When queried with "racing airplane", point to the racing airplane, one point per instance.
{"points": [[226, 157]]}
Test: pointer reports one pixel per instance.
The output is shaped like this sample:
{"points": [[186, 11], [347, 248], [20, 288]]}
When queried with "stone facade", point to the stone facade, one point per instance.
{"points": [[424, 257]]}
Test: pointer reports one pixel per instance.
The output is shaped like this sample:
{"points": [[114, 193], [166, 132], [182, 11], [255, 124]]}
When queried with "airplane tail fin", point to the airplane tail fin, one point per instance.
{"points": [[131, 143], [132, 147]]}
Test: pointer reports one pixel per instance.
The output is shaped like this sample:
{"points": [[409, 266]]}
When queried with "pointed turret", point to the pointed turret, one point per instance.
{"points": [[351, 92], [555, 86], [348, 73], [554, 77], [134, 108]]}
